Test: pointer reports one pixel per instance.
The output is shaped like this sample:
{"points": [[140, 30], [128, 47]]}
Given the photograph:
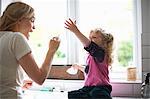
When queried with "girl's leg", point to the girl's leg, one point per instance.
{"points": [[82, 93], [101, 92]]}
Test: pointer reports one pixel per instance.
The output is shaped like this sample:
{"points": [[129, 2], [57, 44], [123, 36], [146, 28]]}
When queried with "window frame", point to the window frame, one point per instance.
{"points": [[73, 13]]}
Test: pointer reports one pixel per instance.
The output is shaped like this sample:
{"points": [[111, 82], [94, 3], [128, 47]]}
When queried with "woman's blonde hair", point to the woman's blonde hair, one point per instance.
{"points": [[107, 43], [14, 12]]}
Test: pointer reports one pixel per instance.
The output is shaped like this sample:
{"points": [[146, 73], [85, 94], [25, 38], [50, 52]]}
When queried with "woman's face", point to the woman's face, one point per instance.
{"points": [[26, 25], [96, 37]]}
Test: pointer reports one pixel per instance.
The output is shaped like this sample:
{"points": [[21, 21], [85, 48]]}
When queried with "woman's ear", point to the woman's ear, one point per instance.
{"points": [[19, 22]]}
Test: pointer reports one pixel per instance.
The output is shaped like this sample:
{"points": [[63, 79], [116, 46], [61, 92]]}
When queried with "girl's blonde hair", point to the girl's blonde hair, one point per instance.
{"points": [[107, 44], [14, 12]]}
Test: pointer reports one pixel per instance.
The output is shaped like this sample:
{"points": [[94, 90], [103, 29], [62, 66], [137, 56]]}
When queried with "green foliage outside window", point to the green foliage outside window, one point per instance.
{"points": [[60, 54], [125, 53]]}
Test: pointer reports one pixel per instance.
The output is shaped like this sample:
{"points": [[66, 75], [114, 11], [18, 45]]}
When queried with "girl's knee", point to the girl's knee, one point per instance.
{"points": [[100, 95]]}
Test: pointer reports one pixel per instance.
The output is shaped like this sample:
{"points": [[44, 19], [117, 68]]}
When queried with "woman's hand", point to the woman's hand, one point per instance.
{"points": [[54, 44], [27, 84]]}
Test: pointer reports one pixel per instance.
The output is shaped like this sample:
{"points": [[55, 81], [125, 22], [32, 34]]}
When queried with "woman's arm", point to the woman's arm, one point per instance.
{"points": [[72, 27], [32, 69]]}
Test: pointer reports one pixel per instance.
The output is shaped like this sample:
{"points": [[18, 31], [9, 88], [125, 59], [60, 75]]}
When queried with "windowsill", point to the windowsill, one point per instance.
{"points": [[124, 81], [122, 77]]}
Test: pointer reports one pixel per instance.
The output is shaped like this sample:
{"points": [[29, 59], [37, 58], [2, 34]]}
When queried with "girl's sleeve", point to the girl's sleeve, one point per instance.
{"points": [[95, 51]]}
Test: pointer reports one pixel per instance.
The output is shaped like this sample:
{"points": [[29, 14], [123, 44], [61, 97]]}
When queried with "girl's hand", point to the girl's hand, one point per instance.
{"points": [[69, 24], [54, 44], [72, 70], [76, 66]]}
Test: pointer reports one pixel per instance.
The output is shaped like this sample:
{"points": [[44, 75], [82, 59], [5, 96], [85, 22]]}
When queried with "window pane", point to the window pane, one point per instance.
{"points": [[50, 16]]}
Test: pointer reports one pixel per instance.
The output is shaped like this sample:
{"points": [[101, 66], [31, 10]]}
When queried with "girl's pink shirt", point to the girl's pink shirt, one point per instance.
{"points": [[98, 72]]}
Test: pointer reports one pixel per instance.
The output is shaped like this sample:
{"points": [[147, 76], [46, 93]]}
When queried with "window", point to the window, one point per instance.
{"points": [[119, 17]]}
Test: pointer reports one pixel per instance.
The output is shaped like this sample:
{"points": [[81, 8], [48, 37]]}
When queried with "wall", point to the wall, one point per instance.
{"points": [[145, 36]]}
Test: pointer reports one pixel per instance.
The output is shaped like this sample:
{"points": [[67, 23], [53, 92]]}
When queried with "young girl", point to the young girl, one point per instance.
{"points": [[99, 45]]}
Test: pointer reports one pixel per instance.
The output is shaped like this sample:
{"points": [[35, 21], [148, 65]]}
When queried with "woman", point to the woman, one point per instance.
{"points": [[15, 54]]}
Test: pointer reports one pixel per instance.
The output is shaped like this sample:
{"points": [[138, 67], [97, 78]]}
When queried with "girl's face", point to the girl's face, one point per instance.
{"points": [[96, 37], [26, 25]]}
